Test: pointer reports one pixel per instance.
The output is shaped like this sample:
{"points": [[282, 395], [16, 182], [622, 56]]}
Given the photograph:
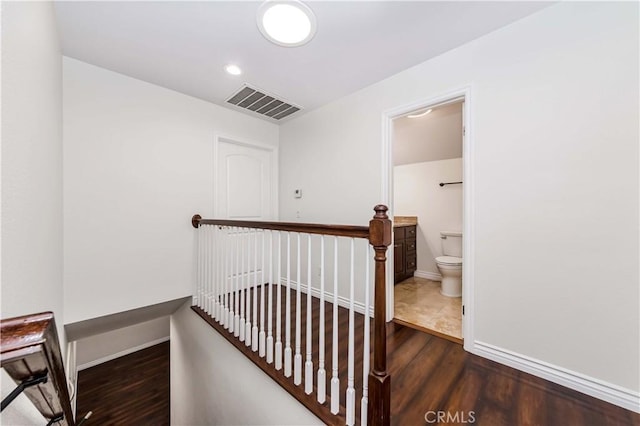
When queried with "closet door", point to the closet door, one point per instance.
{"points": [[245, 182]]}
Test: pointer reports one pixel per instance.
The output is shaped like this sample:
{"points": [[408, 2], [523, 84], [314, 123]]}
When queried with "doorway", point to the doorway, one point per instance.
{"points": [[245, 186], [411, 181], [245, 189]]}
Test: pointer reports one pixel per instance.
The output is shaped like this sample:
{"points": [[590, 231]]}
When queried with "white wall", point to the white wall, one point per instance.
{"points": [[416, 192], [554, 110], [103, 347], [21, 411], [138, 163], [31, 162], [213, 384], [31, 174]]}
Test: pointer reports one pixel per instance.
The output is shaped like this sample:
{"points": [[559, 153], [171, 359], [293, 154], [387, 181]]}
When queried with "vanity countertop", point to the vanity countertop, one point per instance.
{"points": [[399, 221]]}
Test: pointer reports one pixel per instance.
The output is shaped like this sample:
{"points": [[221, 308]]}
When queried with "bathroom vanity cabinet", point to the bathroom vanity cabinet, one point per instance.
{"points": [[404, 252]]}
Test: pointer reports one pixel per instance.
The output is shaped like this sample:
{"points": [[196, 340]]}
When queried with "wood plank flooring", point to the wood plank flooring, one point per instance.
{"points": [[432, 377], [130, 390]]}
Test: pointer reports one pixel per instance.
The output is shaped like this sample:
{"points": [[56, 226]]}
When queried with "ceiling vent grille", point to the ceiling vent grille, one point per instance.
{"points": [[259, 102]]}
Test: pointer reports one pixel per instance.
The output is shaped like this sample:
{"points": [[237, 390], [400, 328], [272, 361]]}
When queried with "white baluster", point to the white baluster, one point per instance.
{"points": [[223, 274], [254, 294], [287, 322], [351, 392], [236, 292], [209, 271], [297, 360], [214, 261], [196, 292], [308, 365], [203, 257], [365, 349], [248, 324], [241, 276], [335, 380], [216, 276], [262, 336], [278, 353], [203, 271], [232, 277], [236, 240], [270, 304], [205, 267], [227, 273], [219, 268], [322, 374]]}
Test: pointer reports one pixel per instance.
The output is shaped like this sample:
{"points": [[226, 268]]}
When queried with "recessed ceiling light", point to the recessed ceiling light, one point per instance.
{"points": [[233, 69], [420, 114], [286, 23]]}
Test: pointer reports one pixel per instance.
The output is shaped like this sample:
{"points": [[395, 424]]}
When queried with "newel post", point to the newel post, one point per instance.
{"points": [[379, 380]]}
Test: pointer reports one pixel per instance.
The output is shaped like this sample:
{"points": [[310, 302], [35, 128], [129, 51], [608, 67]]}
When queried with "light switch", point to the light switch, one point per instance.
{"points": [[297, 193]]}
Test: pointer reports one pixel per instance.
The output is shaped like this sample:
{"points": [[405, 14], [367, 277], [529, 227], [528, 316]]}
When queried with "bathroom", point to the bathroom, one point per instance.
{"points": [[428, 219]]}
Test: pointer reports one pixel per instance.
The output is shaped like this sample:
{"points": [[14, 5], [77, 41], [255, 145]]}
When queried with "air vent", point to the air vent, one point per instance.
{"points": [[259, 102]]}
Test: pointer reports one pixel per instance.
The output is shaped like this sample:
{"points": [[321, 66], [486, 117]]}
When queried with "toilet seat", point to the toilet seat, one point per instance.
{"points": [[449, 260]]}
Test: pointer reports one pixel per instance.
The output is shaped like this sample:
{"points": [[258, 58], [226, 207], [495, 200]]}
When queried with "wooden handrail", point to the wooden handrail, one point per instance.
{"points": [[305, 228], [30, 348]]}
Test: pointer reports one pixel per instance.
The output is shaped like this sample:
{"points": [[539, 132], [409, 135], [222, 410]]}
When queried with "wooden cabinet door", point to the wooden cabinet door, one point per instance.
{"points": [[398, 261]]}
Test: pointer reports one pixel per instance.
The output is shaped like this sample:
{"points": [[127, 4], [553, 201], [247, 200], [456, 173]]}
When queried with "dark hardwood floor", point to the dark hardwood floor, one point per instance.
{"points": [[130, 390], [432, 377]]}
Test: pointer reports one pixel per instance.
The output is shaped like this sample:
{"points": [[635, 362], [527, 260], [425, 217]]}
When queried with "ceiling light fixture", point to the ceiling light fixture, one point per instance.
{"points": [[286, 23], [233, 69], [421, 114]]}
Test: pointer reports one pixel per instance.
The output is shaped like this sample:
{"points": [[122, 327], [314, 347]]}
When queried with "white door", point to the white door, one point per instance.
{"points": [[245, 181]]}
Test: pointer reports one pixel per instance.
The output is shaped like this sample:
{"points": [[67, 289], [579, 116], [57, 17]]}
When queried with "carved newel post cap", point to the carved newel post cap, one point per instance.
{"points": [[195, 220], [380, 228], [381, 211]]}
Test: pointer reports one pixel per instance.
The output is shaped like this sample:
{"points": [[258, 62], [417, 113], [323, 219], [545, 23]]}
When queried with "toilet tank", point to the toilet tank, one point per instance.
{"points": [[451, 243]]}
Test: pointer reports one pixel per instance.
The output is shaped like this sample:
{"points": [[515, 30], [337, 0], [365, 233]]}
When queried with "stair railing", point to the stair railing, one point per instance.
{"points": [[241, 264], [30, 354]]}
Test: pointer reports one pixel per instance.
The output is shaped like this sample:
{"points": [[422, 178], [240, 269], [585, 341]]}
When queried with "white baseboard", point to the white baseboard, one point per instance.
{"points": [[428, 275], [617, 395], [328, 296], [122, 353]]}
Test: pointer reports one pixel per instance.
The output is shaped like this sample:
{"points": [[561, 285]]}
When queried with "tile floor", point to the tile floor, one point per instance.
{"points": [[418, 302]]}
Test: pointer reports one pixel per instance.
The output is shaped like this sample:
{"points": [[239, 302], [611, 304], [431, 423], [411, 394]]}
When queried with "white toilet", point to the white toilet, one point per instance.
{"points": [[450, 263]]}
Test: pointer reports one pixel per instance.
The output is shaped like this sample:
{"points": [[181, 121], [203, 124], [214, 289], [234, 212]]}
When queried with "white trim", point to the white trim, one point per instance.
{"points": [[273, 150], [72, 374], [122, 353], [387, 199], [433, 276], [328, 296], [468, 200], [617, 395], [468, 219]]}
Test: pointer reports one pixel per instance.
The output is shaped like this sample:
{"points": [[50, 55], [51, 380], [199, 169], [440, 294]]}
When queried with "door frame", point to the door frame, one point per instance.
{"points": [[273, 152], [468, 213]]}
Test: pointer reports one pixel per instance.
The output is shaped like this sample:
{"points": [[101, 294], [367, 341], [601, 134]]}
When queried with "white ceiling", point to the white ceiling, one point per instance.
{"points": [[184, 45], [432, 137]]}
